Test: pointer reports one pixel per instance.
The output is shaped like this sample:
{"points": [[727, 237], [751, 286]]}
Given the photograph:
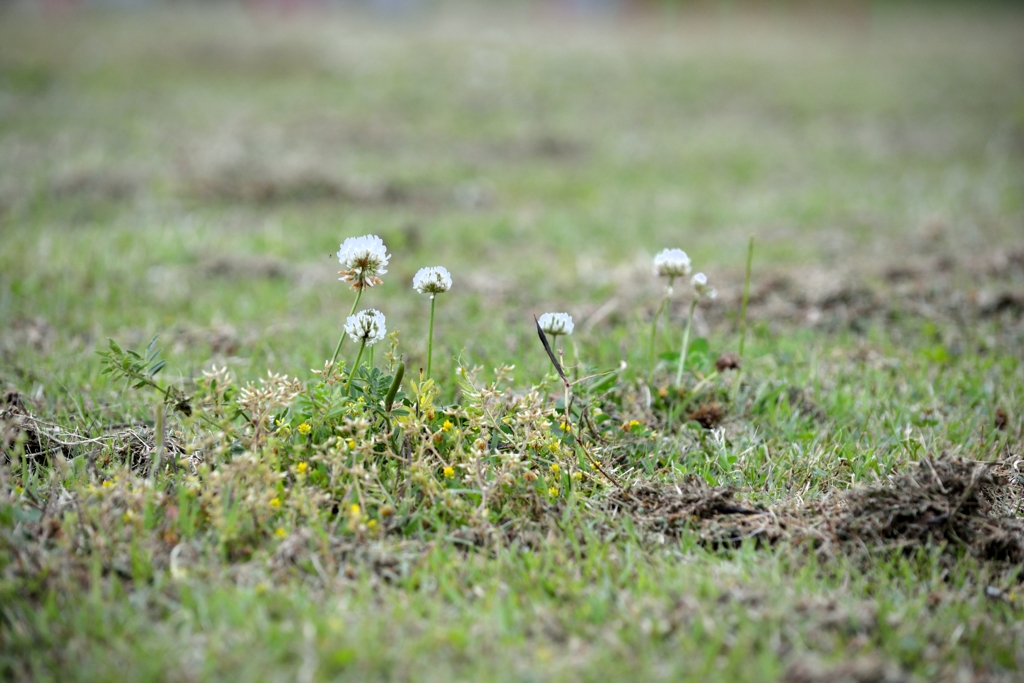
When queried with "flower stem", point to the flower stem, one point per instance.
{"points": [[654, 324], [686, 343], [359, 294], [430, 335], [351, 374]]}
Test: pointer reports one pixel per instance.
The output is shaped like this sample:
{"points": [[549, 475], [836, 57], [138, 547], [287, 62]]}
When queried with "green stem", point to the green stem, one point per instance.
{"points": [[348, 384], [746, 296], [686, 343], [654, 324], [337, 349], [430, 335]]}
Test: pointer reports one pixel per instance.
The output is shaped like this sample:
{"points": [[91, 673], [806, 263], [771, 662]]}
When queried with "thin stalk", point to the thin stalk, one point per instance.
{"points": [[566, 414], [430, 335], [337, 349], [654, 324], [348, 384], [746, 296], [686, 343], [158, 453]]}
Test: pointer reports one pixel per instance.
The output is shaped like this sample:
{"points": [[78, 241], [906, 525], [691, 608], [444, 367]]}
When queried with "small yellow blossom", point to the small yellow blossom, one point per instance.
{"points": [[302, 467], [447, 426], [449, 472], [565, 426], [275, 502], [18, 489], [280, 532], [354, 510], [351, 444], [553, 492], [304, 428], [555, 469], [628, 426], [107, 484], [577, 475], [553, 447], [371, 525]]}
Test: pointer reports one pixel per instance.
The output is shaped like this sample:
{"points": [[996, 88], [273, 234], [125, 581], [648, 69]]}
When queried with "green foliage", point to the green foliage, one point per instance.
{"points": [[477, 525]]}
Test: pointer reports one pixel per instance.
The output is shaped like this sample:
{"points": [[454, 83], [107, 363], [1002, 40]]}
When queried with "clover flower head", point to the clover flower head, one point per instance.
{"points": [[701, 288], [432, 280], [556, 323], [671, 263], [366, 326], [363, 260]]}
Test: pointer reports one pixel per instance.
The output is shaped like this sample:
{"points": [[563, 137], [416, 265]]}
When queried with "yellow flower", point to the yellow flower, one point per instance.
{"points": [[553, 447], [553, 491], [354, 510], [302, 467], [449, 472], [280, 533], [555, 469], [351, 444], [446, 426], [577, 475], [628, 426], [371, 525], [18, 489], [304, 428], [107, 484], [565, 426], [275, 502]]}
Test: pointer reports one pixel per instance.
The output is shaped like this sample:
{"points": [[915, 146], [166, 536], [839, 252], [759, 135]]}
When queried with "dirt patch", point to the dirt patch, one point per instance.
{"points": [[242, 266], [40, 441], [939, 287], [96, 185], [708, 415], [547, 147], [728, 361], [19, 434], [254, 184], [952, 503], [864, 669], [32, 332], [671, 508]]}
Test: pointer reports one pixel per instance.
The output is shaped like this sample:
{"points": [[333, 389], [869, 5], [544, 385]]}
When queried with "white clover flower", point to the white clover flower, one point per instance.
{"points": [[362, 260], [701, 288], [671, 263], [556, 323], [432, 280], [366, 326]]}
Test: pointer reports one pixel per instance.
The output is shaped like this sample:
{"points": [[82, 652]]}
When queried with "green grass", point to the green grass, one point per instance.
{"points": [[190, 172]]}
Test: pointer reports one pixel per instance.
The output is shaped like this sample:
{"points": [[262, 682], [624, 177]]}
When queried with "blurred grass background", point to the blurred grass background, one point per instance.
{"points": [[190, 169]]}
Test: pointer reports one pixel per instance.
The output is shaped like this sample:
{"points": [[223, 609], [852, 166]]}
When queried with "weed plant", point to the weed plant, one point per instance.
{"points": [[220, 463]]}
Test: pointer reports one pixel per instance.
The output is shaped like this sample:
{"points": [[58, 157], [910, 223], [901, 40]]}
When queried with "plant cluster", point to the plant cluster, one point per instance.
{"points": [[359, 445]]}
